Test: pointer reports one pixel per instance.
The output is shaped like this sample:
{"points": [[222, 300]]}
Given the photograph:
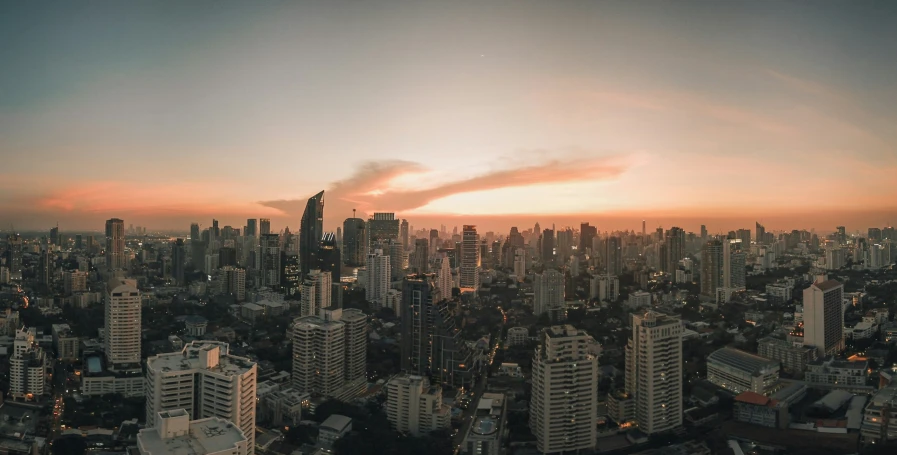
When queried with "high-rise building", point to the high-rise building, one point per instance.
{"points": [[586, 234], [470, 259], [444, 281], [823, 317], [328, 356], [564, 406], [54, 235], [734, 264], [613, 256], [874, 234], [703, 231], [205, 380], [711, 269], [547, 247], [396, 259], [654, 371], [548, 290], [760, 234], [264, 226], [269, 260], [233, 282], [834, 258], [179, 262], [354, 242], [841, 235], [378, 276], [251, 229], [74, 281], [420, 257], [173, 433], [520, 264], [674, 249], [382, 227], [194, 232], [310, 233], [403, 234], [604, 288], [28, 366], [415, 407], [227, 256], [15, 253], [115, 244], [122, 324], [329, 256], [434, 241]]}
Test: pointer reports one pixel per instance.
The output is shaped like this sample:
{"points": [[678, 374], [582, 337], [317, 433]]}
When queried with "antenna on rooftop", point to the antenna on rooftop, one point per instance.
{"points": [[353, 213]]}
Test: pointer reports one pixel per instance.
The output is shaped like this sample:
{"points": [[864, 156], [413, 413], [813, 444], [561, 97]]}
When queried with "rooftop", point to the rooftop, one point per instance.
{"points": [[337, 422], [827, 285], [205, 436], [754, 398], [742, 360], [195, 354]]}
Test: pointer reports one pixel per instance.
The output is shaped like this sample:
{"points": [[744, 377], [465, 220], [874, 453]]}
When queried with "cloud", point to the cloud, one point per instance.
{"points": [[372, 187]]}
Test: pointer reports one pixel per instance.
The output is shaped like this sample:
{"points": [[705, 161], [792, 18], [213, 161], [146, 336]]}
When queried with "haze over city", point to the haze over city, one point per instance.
{"points": [[506, 112]]}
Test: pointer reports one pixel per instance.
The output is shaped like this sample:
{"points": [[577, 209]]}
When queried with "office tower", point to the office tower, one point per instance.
{"points": [[227, 256], [444, 281], [54, 236], [420, 257], [734, 262], [674, 249], [431, 343], [415, 407], [547, 247], [760, 234], [15, 252], [378, 276], [328, 353], [264, 226], [703, 231], [711, 268], [194, 232], [470, 259], [251, 229], [396, 259], [234, 282], [745, 236], [548, 290], [841, 235], [79, 243], [215, 231], [115, 244], [310, 233], [290, 274], [564, 406], [178, 262], [520, 264], [28, 366], [613, 256], [434, 241], [45, 266], [269, 260], [586, 234], [823, 317], [382, 227], [308, 298], [874, 234], [834, 258], [173, 433], [74, 281], [564, 245], [654, 371], [403, 234], [644, 231], [354, 242], [205, 380], [329, 257], [123, 324]]}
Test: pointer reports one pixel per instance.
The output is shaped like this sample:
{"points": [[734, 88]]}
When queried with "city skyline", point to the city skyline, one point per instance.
{"points": [[499, 115]]}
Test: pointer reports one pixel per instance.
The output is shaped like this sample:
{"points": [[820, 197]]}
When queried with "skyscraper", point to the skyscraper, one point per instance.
{"points": [[760, 233], [329, 256], [548, 290], [178, 262], [654, 371], [269, 260], [54, 235], [823, 317], [115, 244], [264, 226], [206, 381], [354, 242], [586, 234], [194, 232], [547, 247], [734, 263], [613, 256], [674, 246], [470, 258], [420, 257], [434, 241], [251, 229], [310, 233], [403, 234], [711, 269], [564, 406], [378, 276], [382, 227], [328, 353], [444, 281], [122, 324]]}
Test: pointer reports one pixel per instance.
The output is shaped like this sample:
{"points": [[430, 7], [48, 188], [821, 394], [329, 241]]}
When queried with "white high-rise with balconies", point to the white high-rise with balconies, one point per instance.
{"points": [[564, 406], [123, 324], [378, 276], [654, 371], [330, 353], [415, 407], [470, 258], [548, 289], [206, 381]]}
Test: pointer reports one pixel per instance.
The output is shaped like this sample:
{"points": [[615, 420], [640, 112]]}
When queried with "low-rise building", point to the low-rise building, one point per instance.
{"points": [[794, 358], [487, 430], [878, 415], [518, 336], [639, 299], [335, 427], [740, 371], [757, 409], [829, 371], [175, 434], [283, 406], [65, 342], [621, 407]]}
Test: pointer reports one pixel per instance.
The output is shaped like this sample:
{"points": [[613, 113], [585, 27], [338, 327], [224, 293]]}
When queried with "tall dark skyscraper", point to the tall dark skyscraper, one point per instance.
{"points": [[251, 228], [269, 260], [264, 226], [311, 231], [178, 261], [54, 236], [354, 243], [115, 244], [329, 256], [586, 234], [547, 246], [215, 231], [194, 232]]}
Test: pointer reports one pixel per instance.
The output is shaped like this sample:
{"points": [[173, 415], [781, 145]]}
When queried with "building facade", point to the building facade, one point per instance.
{"points": [[654, 371]]}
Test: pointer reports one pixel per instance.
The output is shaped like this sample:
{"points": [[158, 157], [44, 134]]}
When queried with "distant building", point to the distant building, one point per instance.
{"points": [[470, 258], [123, 324], [739, 371], [604, 288], [548, 288], [115, 245], [794, 358], [173, 433]]}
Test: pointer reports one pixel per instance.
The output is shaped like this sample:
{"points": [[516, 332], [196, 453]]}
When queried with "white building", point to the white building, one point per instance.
{"points": [[173, 433], [27, 368], [123, 325], [205, 381], [330, 353], [639, 299], [548, 288], [470, 258], [415, 407], [837, 372], [834, 258], [654, 371], [823, 317], [377, 278], [520, 264], [604, 287], [739, 371], [564, 406]]}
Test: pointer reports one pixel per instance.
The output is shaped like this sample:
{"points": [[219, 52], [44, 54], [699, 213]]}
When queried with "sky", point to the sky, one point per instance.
{"points": [[490, 113]]}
